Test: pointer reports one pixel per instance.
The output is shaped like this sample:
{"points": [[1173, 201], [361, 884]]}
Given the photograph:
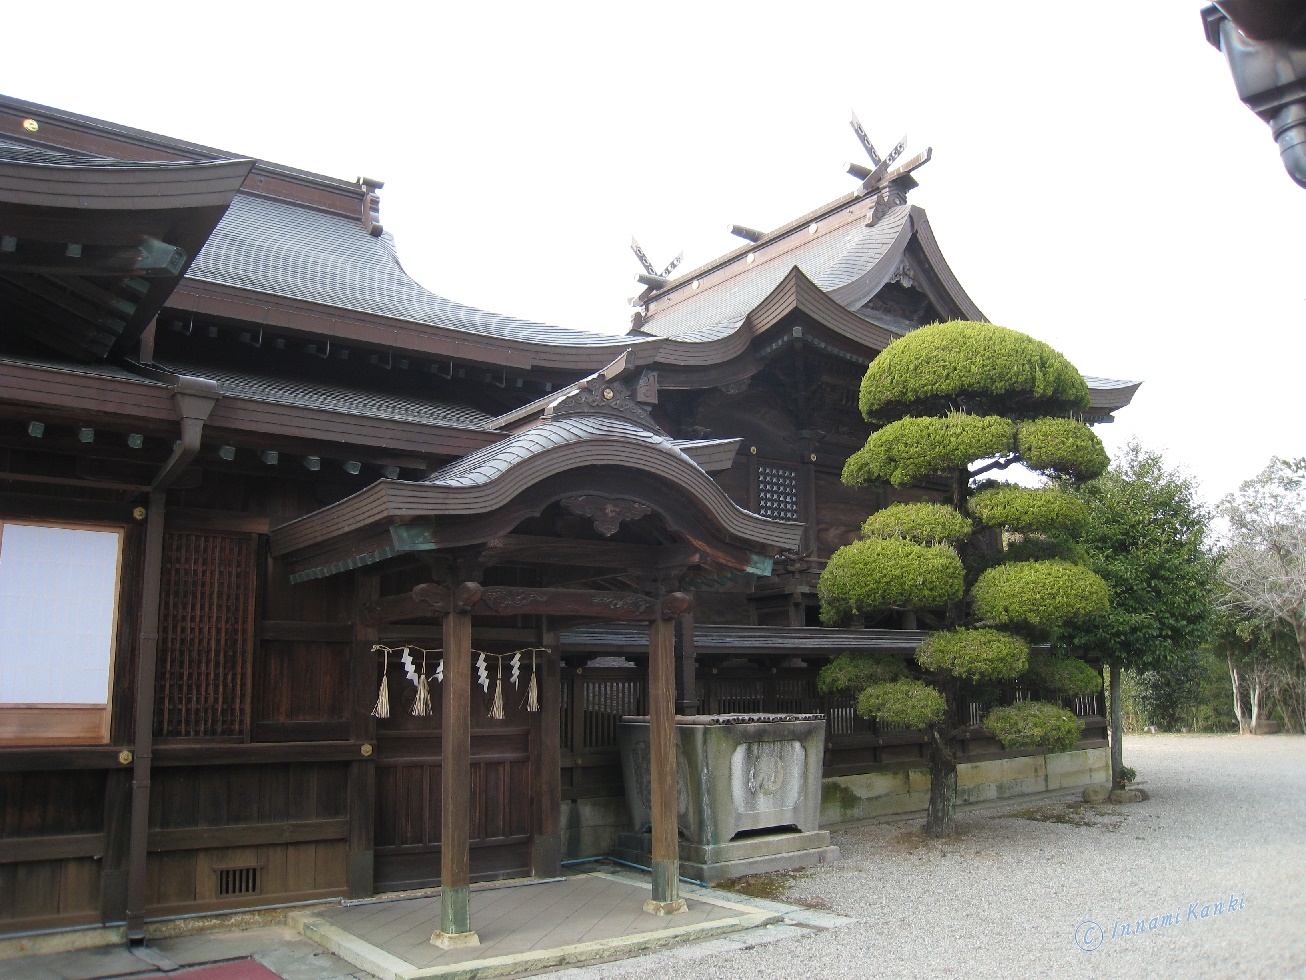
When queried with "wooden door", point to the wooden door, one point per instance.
{"points": [[408, 794]]}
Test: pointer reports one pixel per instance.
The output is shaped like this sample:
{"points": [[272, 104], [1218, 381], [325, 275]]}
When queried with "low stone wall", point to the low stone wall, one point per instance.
{"points": [[858, 797], [590, 827]]}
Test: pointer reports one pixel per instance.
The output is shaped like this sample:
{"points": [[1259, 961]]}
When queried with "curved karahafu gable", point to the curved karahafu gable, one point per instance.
{"points": [[555, 459]]}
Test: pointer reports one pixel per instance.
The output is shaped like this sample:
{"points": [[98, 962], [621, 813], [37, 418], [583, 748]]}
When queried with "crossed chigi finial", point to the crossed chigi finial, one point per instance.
{"points": [[879, 173], [650, 277]]}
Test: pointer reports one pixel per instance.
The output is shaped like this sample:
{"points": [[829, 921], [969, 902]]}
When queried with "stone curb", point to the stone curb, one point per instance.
{"points": [[387, 966]]}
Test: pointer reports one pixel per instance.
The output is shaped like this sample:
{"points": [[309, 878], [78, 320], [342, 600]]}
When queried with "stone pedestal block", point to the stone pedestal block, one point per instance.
{"points": [[749, 793], [750, 855]]}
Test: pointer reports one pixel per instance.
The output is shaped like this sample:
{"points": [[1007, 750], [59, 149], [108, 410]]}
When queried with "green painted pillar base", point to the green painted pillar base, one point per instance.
{"points": [[455, 920], [666, 898]]}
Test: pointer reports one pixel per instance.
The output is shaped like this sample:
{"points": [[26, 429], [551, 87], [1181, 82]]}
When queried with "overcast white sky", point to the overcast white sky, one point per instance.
{"points": [[1095, 181]]}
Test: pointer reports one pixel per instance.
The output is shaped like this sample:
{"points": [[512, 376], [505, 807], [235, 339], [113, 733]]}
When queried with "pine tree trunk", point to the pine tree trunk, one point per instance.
{"points": [[940, 820], [1117, 732]]}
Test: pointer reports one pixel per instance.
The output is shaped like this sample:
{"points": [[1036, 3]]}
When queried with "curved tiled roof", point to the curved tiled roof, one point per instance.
{"points": [[845, 256], [335, 398], [12, 151], [492, 462], [283, 249], [829, 261], [492, 477]]}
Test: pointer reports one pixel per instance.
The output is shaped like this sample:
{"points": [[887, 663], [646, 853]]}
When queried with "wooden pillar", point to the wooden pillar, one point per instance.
{"points": [[546, 844], [361, 844], [456, 780], [666, 898], [686, 666]]}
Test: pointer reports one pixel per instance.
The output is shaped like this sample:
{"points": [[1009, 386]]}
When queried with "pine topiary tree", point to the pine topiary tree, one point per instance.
{"points": [[996, 563]]}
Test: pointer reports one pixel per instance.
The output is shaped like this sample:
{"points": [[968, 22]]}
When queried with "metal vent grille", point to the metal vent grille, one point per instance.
{"points": [[777, 492], [238, 881]]}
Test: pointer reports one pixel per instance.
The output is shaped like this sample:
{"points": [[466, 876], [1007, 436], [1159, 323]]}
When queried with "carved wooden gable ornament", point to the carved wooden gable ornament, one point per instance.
{"points": [[598, 396]]}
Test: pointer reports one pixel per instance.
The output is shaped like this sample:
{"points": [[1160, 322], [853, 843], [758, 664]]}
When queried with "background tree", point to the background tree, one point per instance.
{"points": [[1263, 667], [1263, 562], [1146, 536], [1167, 697], [955, 401]]}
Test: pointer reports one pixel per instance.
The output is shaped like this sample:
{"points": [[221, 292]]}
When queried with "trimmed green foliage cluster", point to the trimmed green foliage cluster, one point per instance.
{"points": [[914, 447], [1030, 723], [871, 575], [1030, 511], [923, 523], [979, 366], [856, 671], [1026, 549], [1063, 675], [1045, 549], [1062, 447], [975, 654], [1038, 593], [912, 703]]}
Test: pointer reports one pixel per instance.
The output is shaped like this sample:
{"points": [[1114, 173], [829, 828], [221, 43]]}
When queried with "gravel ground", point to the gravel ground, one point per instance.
{"points": [[1012, 895]]}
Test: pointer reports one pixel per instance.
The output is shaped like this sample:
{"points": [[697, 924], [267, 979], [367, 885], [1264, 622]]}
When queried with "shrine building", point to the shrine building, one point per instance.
{"points": [[315, 584]]}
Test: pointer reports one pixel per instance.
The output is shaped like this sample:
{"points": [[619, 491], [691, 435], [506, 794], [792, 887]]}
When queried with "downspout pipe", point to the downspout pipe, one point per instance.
{"points": [[195, 398]]}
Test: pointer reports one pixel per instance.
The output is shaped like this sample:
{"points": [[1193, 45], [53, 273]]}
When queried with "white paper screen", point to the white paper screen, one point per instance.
{"points": [[57, 594]]}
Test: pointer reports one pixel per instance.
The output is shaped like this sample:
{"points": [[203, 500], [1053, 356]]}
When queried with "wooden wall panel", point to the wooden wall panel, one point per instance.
{"points": [[41, 804], [303, 682]]}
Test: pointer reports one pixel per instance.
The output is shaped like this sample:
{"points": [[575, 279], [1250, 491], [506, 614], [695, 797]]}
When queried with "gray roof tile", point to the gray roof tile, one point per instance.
{"points": [[289, 250], [830, 260], [488, 464], [334, 398]]}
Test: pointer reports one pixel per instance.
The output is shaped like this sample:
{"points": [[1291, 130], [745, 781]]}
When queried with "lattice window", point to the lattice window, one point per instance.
{"points": [[206, 634], [777, 492]]}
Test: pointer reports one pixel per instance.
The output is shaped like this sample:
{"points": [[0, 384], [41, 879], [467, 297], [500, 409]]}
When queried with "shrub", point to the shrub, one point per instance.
{"points": [[973, 365], [856, 671], [975, 654], [911, 703], [1038, 593], [922, 523], [1027, 549], [1065, 676], [904, 451], [1030, 511], [872, 575], [1030, 723], [1063, 447]]}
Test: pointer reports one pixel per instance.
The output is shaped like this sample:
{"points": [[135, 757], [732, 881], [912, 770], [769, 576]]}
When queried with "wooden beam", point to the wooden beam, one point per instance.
{"points": [[455, 779], [248, 835], [586, 554], [54, 848], [496, 600], [666, 898]]}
